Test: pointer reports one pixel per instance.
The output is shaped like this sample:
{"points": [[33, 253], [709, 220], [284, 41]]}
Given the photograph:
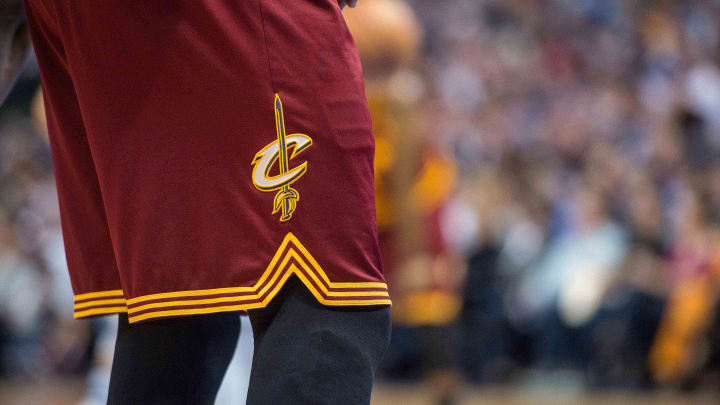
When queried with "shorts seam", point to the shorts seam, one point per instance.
{"points": [[267, 46]]}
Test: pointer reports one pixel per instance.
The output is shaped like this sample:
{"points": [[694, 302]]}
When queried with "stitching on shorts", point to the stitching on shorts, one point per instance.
{"points": [[267, 47]]}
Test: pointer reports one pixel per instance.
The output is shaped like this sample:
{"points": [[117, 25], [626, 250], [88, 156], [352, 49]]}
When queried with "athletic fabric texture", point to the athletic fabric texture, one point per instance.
{"points": [[207, 150], [305, 353], [172, 361]]}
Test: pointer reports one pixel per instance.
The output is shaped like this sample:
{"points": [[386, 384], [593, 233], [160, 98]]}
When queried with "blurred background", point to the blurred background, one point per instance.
{"points": [[548, 195]]}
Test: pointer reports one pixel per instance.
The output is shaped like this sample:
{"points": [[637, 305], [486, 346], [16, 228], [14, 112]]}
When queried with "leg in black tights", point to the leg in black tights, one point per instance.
{"points": [[172, 361], [308, 353]]}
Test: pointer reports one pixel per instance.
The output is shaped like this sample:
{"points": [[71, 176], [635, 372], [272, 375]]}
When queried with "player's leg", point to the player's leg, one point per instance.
{"points": [[308, 353], [172, 361]]}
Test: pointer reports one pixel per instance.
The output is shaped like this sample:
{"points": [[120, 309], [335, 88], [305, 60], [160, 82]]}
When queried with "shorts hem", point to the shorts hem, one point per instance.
{"points": [[99, 303], [291, 258]]}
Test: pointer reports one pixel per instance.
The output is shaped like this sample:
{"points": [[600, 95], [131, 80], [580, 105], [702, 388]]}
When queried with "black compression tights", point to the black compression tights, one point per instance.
{"points": [[172, 361], [305, 353]]}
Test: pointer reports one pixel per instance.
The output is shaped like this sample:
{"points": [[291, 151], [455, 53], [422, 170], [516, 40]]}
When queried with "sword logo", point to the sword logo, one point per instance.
{"points": [[281, 151]]}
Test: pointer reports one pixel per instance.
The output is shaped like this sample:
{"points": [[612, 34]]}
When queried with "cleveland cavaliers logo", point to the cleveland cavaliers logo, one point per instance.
{"points": [[281, 151]]}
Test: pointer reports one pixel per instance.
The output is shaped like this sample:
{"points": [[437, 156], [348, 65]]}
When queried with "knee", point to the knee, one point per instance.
{"points": [[365, 338]]}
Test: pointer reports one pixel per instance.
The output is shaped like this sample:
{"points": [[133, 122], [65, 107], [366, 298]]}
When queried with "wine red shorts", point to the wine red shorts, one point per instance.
{"points": [[205, 151]]}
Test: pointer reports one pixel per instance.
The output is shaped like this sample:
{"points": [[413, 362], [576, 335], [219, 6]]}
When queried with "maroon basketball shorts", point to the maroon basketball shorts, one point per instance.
{"points": [[207, 150]]}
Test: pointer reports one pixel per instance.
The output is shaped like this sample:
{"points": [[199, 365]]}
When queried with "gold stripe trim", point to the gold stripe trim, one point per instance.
{"points": [[324, 301], [193, 311], [100, 311], [98, 294], [189, 293], [99, 302], [314, 278], [192, 302], [289, 238], [197, 311], [293, 270], [254, 296], [280, 273]]}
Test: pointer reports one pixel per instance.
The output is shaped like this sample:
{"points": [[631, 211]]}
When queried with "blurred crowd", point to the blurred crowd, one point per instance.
{"points": [[585, 136], [569, 182], [37, 337]]}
